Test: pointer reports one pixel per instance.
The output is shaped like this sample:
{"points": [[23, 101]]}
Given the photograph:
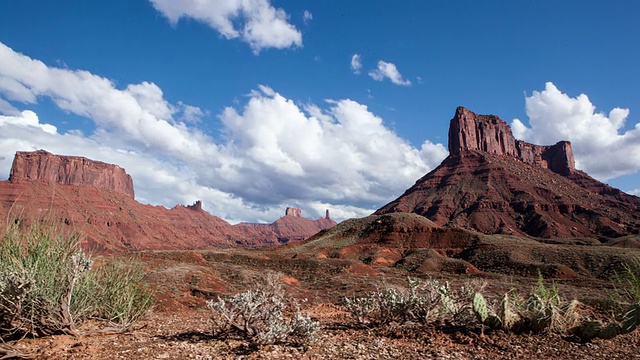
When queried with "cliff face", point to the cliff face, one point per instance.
{"points": [[70, 170], [493, 183], [488, 133]]}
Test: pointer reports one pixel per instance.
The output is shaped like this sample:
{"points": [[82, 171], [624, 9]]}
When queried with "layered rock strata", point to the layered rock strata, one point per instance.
{"points": [[70, 170], [493, 183], [291, 211], [488, 133]]}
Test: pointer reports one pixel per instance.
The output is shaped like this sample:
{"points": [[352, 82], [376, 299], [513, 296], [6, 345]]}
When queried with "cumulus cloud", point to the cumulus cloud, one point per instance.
{"points": [[343, 152], [356, 63], [255, 22], [600, 144], [27, 119], [273, 152], [190, 113], [389, 71], [138, 114]]}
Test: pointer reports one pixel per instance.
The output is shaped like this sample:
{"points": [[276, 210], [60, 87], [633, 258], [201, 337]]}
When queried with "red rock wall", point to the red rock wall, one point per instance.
{"points": [[488, 133], [559, 158], [469, 131], [70, 170]]}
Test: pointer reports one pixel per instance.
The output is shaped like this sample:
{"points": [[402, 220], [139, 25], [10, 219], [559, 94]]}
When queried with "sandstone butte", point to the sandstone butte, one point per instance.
{"points": [[96, 199], [495, 184]]}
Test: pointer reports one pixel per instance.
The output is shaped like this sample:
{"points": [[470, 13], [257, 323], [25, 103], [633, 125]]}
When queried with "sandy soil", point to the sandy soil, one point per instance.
{"points": [[186, 335]]}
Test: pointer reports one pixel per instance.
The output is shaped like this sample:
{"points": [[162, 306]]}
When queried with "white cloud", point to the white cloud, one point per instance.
{"points": [[433, 154], [255, 22], [389, 71], [137, 114], [307, 16], [27, 119], [356, 63], [274, 152], [336, 212], [7, 108], [191, 114], [600, 145], [344, 152], [635, 192]]}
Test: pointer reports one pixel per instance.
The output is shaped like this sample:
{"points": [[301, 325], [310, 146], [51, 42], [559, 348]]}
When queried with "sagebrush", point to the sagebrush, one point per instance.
{"points": [[263, 315]]}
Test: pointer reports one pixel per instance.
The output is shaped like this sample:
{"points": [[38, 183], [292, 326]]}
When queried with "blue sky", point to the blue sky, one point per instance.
{"points": [[256, 105]]}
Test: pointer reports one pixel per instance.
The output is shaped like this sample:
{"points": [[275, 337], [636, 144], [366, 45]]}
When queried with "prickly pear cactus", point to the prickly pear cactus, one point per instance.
{"points": [[543, 317], [480, 307], [593, 329], [447, 304], [588, 330], [507, 314], [609, 331]]}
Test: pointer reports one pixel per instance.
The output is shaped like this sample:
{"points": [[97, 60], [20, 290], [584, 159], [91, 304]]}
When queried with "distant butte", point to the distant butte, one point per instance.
{"points": [[495, 184], [69, 170], [96, 199], [291, 211]]}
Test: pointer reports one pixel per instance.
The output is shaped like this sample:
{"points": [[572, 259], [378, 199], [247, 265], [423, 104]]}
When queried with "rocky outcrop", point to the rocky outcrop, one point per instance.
{"points": [[197, 206], [70, 170], [293, 227], [492, 183], [488, 133], [291, 211]]}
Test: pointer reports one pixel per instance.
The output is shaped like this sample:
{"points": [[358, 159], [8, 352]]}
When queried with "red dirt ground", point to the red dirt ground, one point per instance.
{"points": [[178, 327]]}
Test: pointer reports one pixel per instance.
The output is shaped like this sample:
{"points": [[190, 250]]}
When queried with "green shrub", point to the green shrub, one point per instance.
{"points": [[114, 292], [544, 293], [39, 269], [454, 301], [263, 315], [414, 303], [48, 286]]}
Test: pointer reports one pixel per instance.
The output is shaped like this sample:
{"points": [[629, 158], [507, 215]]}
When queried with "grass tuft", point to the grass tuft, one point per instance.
{"points": [[48, 285]]}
